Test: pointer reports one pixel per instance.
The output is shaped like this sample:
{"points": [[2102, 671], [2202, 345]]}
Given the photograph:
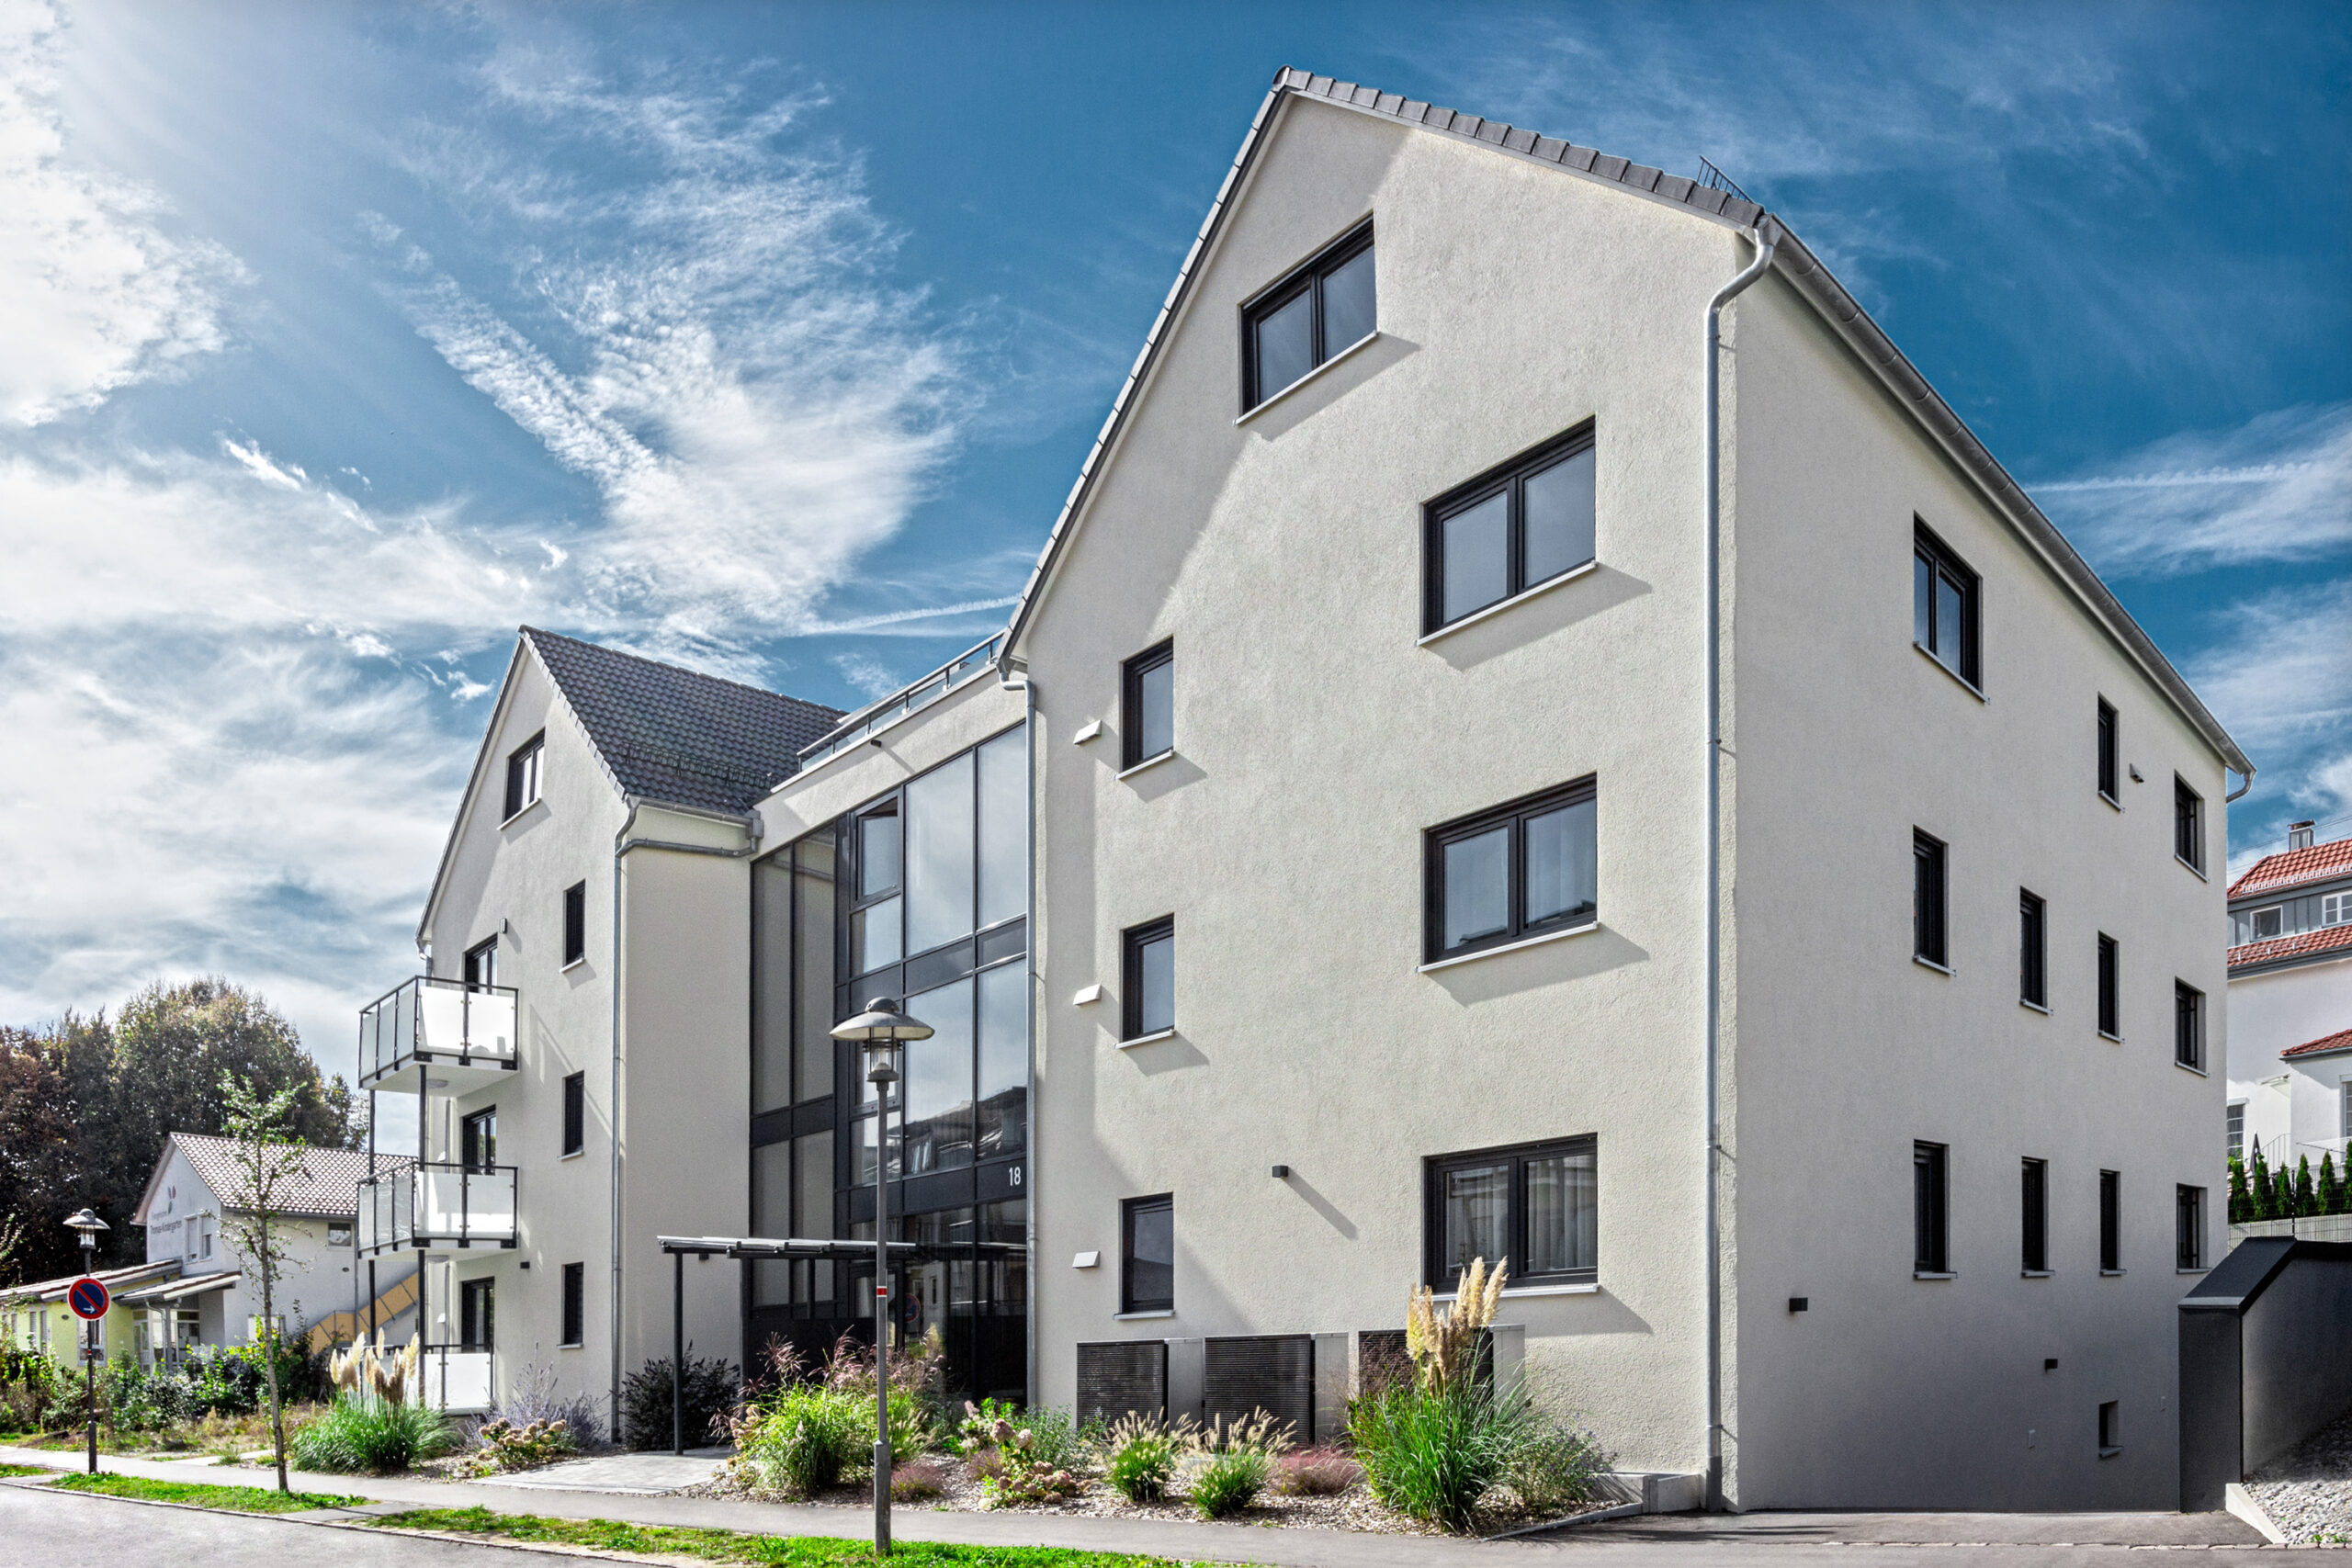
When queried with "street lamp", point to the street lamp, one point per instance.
{"points": [[880, 1030], [89, 1225]]}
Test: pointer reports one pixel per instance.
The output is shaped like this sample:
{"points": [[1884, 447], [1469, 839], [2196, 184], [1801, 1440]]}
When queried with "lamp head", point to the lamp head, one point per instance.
{"points": [[882, 1023], [89, 1225]]}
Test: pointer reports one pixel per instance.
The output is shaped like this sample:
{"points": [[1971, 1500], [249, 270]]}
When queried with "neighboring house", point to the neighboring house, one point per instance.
{"points": [[36, 1318], [1311, 890], [214, 1298], [2290, 1002]]}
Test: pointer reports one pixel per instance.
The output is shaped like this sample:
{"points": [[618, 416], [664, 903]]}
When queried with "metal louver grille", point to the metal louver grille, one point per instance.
{"points": [[1274, 1372], [1122, 1377]]}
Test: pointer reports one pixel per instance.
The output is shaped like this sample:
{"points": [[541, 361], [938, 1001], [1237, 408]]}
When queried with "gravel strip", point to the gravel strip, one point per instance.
{"points": [[2308, 1494]]}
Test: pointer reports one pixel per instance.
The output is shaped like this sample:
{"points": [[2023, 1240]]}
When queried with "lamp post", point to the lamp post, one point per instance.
{"points": [[880, 1030], [89, 1225]]}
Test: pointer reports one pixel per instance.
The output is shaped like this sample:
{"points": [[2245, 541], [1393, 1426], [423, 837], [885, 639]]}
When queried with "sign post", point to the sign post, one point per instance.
{"points": [[88, 1298]]}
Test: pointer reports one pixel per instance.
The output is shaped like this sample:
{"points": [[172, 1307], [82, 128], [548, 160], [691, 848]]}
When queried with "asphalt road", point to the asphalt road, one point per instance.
{"points": [[43, 1529]]}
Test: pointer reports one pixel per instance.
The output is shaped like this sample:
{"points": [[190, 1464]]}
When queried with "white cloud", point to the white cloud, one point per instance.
{"points": [[2280, 682], [2276, 487], [93, 294], [869, 676]]}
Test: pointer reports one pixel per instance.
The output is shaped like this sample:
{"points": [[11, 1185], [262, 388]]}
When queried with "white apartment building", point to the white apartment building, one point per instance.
{"points": [[1321, 884], [2290, 1002]]}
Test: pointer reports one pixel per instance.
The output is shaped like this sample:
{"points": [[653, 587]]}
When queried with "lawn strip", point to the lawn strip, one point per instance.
{"points": [[14, 1469], [235, 1499], [733, 1546]]}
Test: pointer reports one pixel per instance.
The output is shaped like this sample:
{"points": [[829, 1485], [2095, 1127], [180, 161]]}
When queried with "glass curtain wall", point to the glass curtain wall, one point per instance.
{"points": [[920, 894]]}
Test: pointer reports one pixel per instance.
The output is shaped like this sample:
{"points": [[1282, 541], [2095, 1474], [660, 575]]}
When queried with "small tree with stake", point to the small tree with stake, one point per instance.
{"points": [[266, 1164]]}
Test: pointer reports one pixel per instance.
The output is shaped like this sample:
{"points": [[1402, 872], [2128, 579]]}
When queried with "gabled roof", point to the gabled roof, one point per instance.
{"points": [[677, 736], [2325, 1045], [1792, 260], [2326, 941], [325, 1186], [2292, 868], [115, 1280]]}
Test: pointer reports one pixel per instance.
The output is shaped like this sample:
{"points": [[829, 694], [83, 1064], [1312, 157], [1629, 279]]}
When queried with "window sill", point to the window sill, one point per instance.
{"points": [[1132, 1316], [1264, 403], [1933, 1274], [2111, 800], [2196, 870], [1152, 761], [1513, 603], [1512, 1291], [1156, 1036], [1965, 684], [576, 1154], [579, 962], [2109, 1454], [2111, 1039], [2200, 1270], [1931, 964], [2037, 1273], [2041, 1008], [573, 1345], [1507, 947], [2110, 1274], [2192, 1068], [529, 807]]}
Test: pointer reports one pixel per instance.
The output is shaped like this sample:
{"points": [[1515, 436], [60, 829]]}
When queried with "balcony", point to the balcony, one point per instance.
{"points": [[451, 1378], [869, 721], [436, 1208], [463, 1036]]}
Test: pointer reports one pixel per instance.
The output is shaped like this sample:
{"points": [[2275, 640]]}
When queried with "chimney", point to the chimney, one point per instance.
{"points": [[2299, 835]]}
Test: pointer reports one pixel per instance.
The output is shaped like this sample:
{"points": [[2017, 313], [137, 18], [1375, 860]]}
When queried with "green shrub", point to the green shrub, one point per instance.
{"points": [[505, 1446], [1230, 1482], [1435, 1453], [362, 1435], [804, 1438], [647, 1416], [1558, 1469], [1025, 1472], [1141, 1456]]}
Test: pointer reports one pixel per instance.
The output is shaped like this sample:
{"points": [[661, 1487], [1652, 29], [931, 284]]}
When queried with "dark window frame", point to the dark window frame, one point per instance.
{"points": [[2110, 1429], [575, 1112], [1435, 1271], [1930, 898], [1931, 1207], [1128, 1210], [478, 1315], [575, 924], [480, 964], [2110, 986], [1306, 279], [1515, 813], [2033, 1237], [1132, 942], [2188, 1226], [525, 764], [472, 1154], [2188, 1026], [1510, 476], [1943, 562], [2034, 948], [2188, 825], [2109, 768], [2111, 1222], [1131, 726], [573, 1326]]}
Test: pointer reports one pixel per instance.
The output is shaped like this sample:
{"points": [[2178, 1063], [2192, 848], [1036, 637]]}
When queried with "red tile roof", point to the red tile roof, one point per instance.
{"points": [[2339, 1041], [2324, 940], [2293, 867]]}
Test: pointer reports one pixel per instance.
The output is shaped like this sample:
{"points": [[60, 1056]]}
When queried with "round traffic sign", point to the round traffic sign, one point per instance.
{"points": [[87, 1297]]}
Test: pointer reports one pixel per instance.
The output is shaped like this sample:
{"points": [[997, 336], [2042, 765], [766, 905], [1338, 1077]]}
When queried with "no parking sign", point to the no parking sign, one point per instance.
{"points": [[88, 1298]]}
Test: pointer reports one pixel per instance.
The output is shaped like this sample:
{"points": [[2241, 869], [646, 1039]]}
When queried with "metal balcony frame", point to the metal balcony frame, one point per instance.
{"points": [[874, 718], [464, 1056], [463, 1241]]}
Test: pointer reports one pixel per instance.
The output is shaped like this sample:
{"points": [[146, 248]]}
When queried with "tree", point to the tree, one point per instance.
{"points": [[2304, 1204], [2331, 1187], [2241, 1201], [37, 1169], [252, 1221]]}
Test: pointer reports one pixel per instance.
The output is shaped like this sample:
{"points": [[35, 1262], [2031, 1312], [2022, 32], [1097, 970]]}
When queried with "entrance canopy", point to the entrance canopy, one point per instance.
{"points": [[759, 1247]]}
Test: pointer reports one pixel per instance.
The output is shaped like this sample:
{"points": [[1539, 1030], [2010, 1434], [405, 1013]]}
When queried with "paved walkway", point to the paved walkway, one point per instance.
{"points": [[627, 1475], [1781, 1541]]}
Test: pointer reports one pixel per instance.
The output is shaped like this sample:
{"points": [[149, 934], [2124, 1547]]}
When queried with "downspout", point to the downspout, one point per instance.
{"points": [[1712, 478], [623, 843], [2241, 790], [1029, 1155]]}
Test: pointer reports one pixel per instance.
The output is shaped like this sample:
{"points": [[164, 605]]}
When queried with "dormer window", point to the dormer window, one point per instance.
{"points": [[522, 773], [2266, 923]]}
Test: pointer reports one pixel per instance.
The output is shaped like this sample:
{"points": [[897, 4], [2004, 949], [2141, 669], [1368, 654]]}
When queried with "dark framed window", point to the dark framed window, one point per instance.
{"points": [[1930, 1218], [1328, 305], [2033, 1229], [1514, 871], [2111, 1222], [2187, 1025], [575, 922], [2268, 923], [1508, 530], [1148, 978], [2188, 1226], [575, 1112], [1536, 1204], [575, 1304], [2107, 771], [2110, 1429], [2033, 968], [2187, 824], [1928, 877], [477, 1325], [2234, 1128], [1148, 705], [338, 1235], [481, 966], [2109, 997], [1944, 611], [1148, 1253], [876, 918], [523, 773], [478, 1139]]}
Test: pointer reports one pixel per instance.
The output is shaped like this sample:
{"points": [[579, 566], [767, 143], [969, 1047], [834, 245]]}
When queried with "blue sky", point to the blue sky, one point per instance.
{"points": [[337, 341]]}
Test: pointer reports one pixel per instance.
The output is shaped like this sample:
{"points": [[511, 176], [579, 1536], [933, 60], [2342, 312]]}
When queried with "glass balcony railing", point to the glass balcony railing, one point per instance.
{"points": [[438, 1023], [452, 1379], [868, 721], [436, 1208]]}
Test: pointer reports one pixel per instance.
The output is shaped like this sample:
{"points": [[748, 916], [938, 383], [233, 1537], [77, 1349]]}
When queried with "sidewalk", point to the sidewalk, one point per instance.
{"points": [[1788, 1539]]}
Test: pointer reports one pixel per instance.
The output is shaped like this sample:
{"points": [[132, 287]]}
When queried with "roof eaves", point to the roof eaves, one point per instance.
{"points": [[473, 786]]}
